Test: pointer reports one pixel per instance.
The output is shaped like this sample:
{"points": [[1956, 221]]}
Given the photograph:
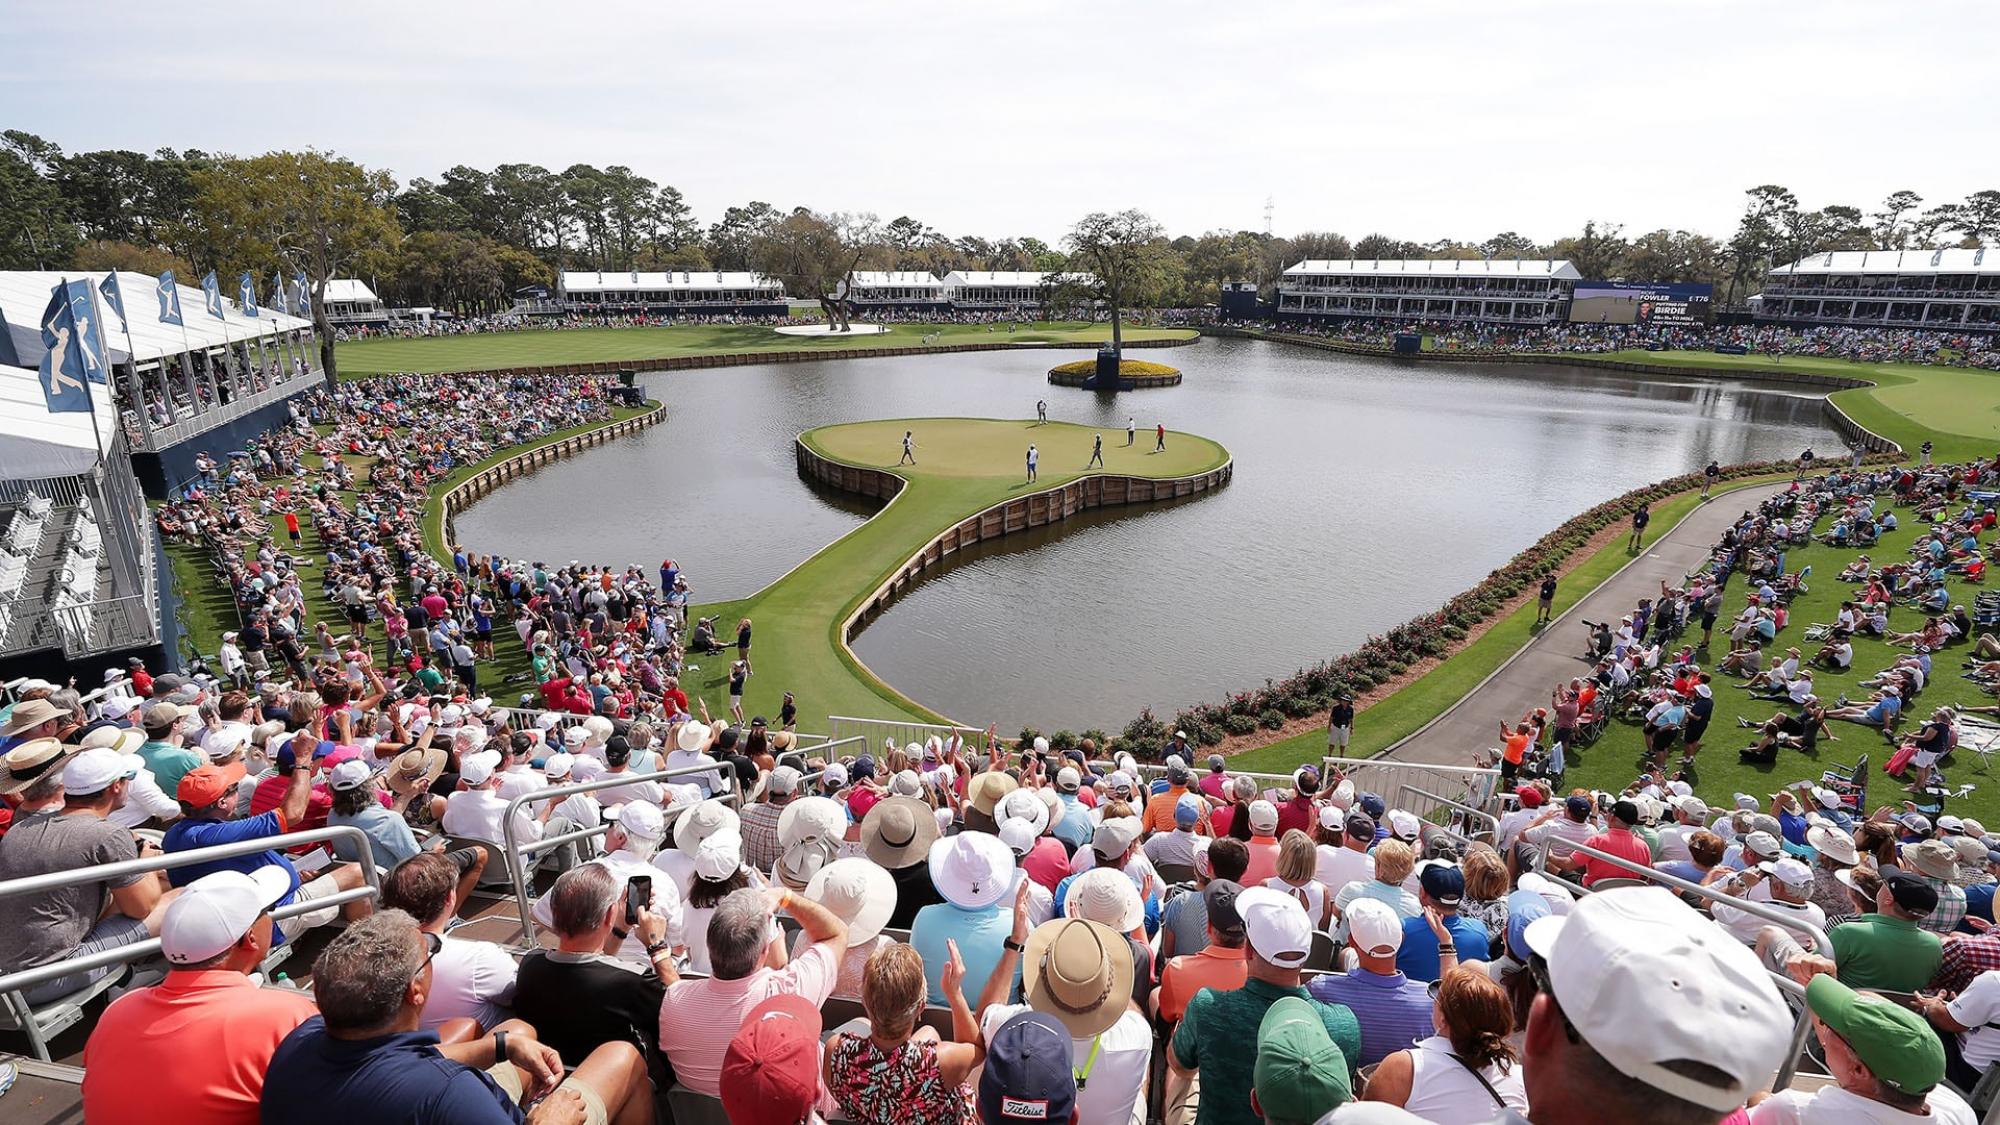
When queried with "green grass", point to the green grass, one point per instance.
{"points": [[1383, 723], [964, 466], [359, 358], [1958, 408]]}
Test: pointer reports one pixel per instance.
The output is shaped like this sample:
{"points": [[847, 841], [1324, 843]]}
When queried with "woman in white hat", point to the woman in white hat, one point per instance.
{"points": [[718, 870], [862, 895]]}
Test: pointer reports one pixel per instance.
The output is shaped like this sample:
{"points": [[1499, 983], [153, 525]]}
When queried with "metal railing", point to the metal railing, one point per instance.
{"points": [[846, 726], [211, 415], [1454, 824], [1475, 787], [1776, 917], [520, 858], [14, 984], [830, 750]]}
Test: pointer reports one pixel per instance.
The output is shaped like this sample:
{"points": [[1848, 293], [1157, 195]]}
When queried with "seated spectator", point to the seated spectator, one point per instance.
{"points": [[1647, 1012], [1177, 845], [1071, 970], [863, 896], [1351, 861], [1618, 839], [208, 796], [1561, 826], [84, 916], [364, 1052], [357, 803], [1441, 888], [1393, 864], [1465, 1074], [974, 872], [1394, 1010], [1936, 863], [738, 937], [200, 1040], [476, 811], [760, 821], [144, 802], [897, 833], [1887, 1065], [771, 1072], [893, 1071], [1029, 1073], [1705, 851], [1262, 816], [1218, 964], [1115, 846], [1486, 889], [1183, 925], [1213, 1053], [469, 979], [1110, 899], [582, 994], [1297, 864], [1790, 882], [1300, 1074], [692, 827], [631, 842], [1888, 948]]}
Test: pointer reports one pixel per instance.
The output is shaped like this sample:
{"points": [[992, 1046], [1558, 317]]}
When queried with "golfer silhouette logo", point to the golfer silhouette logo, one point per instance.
{"points": [[59, 379], [93, 364]]}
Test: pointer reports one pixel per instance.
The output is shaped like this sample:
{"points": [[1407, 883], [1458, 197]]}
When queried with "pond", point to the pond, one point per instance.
{"points": [[1366, 491]]}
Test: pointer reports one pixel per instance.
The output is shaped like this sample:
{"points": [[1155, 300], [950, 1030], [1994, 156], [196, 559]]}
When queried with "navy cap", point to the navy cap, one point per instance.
{"points": [[1373, 805], [1579, 806], [1027, 1076], [864, 766], [1444, 882]]}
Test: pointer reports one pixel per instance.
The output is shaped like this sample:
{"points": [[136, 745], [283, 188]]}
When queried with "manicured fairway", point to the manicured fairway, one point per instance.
{"points": [[963, 465], [609, 345]]}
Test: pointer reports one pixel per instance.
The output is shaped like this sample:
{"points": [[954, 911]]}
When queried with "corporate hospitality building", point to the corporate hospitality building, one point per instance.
{"points": [[350, 303], [1500, 291], [694, 293], [1938, 289]]}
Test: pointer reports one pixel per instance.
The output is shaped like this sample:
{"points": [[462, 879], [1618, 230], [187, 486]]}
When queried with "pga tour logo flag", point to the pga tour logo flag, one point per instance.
{"points": [[211, 296], [75, 354], [246, 294], [169, 295]]}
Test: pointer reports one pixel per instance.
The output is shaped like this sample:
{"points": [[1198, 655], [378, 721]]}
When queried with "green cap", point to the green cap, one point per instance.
{"points": [[1893, 1042], [1301, 1073]]}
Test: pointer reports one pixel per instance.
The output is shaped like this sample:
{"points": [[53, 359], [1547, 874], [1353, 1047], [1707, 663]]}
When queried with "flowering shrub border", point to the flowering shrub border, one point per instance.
{"points": [[1126, 368]]}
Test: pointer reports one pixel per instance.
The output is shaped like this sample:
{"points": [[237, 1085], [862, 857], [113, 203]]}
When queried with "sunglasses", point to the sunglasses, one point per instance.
{"points": [[433, 945], [1539, 966]]}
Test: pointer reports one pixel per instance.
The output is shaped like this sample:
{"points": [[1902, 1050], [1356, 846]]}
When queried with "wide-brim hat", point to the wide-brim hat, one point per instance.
{"points": [[858, 892], [702, 821], [691, 737], [805, 818], [986, 789], [122, 739], [1828, 840], [29, 714], [31, 761], [1080, 972], [898, 832], [1934, 858], [1105, 895], [1024, 804], [972, 870], [412, 766]]}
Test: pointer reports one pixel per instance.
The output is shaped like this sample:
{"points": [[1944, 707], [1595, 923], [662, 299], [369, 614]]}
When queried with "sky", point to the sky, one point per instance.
{"points": [[1420, 119]]}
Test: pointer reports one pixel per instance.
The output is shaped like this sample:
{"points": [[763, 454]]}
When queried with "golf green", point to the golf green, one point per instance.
{"points": [[540, 347], [964, 466]]}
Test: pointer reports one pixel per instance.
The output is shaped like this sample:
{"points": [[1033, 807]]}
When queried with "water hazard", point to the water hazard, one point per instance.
{"points": [[1365, 492]]}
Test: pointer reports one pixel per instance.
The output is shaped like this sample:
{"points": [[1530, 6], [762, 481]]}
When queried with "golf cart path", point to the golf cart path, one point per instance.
{"points": [[1555, 654]]}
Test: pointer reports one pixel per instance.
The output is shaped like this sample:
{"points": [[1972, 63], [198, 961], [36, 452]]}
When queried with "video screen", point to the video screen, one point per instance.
{"points": [[1619, 302]]}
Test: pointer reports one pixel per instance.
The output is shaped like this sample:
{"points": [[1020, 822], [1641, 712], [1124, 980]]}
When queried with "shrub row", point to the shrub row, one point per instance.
{"points": [[1125, 367]]}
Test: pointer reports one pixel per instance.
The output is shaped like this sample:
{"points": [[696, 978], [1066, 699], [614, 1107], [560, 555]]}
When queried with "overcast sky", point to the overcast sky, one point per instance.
{"points": [[1412, 118]]}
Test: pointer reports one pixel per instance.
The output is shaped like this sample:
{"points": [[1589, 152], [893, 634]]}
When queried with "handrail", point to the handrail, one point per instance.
{"points": [[23, 979], [1406, 787], [516, 854], [1820, 941]]}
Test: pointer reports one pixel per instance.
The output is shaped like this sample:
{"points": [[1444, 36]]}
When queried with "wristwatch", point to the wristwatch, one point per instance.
{"points": [[655, 948], [1009, 943], [499, 1046]]}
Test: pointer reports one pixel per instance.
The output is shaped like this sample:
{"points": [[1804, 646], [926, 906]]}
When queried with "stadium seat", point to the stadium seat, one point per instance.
{"points": [[46, 1021], [690, 1108], [1172, 873]]}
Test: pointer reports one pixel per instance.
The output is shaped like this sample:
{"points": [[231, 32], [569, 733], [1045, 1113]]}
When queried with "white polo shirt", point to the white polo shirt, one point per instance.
{"points": [[1114, 1093], [476, 814], [623, 865], [469, 978], [1341, 866], [1976, 1007], [1831, 1105]]}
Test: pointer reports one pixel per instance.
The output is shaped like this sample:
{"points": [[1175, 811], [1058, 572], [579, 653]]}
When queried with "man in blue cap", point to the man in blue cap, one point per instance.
{"points": [[1027, 1078], [1441, 887]]}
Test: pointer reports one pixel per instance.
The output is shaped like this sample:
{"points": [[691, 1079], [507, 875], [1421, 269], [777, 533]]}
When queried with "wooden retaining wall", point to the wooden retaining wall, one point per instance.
{"points": [[466, 492], [1036, 509], [1125, 382], [1835, 416], [740, 359]]}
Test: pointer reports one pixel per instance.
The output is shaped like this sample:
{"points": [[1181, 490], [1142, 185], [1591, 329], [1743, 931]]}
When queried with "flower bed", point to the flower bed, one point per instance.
{"points": [[1387, 655], [1127, 368]]}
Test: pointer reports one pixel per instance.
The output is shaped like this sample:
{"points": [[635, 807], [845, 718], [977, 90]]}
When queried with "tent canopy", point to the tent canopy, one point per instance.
{"points": [[35, 443], [24, 294]]}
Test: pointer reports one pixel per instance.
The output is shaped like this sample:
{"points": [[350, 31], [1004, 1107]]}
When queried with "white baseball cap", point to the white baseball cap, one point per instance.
{"points": [[216, 910], [478, 769], [1405, 826], [1276, 926], [350, 774], [834, 774], [1374, 927], [1763, 845], [640, 818], [1019, 836], [1788, 871], [556, 767], [1648, 982], [1116, 835], [1263, 817], [719, 856], [98, 769]]}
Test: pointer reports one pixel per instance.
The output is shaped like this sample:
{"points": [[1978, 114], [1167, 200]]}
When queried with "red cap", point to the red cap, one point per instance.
{"points": [[770, 1074], [202, 786], [1531, 797]]}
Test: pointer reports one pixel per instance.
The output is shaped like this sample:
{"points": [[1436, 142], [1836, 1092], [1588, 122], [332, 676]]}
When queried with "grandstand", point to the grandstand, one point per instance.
{"points": [[1942, 290], [351, 303], [700, 292], [900, 290], [1500, 291], [997, 290]]}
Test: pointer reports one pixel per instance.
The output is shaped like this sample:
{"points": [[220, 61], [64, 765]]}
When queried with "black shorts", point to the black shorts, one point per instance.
{"points": [[358, 614], [1707, 622], [1694, 730], [485, 634]]}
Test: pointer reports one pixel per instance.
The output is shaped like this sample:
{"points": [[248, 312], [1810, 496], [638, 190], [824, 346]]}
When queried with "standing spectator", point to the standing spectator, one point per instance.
{"points": [[1340, 725], [200, 1040], [1394, 1010], [891, 1075], [694, 1011], [1467, 1073]]}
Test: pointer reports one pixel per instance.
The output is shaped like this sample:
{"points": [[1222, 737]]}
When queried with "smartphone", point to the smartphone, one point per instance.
{"points": [[638, 896]]}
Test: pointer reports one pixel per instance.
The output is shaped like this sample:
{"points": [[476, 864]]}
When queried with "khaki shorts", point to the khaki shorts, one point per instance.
{"points": [[508, 1079], [311, 889]]}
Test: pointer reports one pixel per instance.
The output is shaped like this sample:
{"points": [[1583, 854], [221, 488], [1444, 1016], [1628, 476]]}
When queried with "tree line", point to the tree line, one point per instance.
{"points": [[470, 238]]}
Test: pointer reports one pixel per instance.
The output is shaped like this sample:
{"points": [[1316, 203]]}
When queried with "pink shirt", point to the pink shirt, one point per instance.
{"points": [[1047, 863], [698, 1018]]}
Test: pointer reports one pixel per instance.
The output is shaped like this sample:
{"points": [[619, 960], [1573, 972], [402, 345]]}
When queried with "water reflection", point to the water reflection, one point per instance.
{"points": [[1366, 492]]}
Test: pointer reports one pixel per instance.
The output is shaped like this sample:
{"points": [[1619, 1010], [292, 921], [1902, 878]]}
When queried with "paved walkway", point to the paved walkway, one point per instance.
{"points": [[1555, 655]]}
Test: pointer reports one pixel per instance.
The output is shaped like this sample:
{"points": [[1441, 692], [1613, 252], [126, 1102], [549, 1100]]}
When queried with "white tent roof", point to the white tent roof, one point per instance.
{"points": [[35, 443], [625, 281], [1464, 267], [1895, 261], [1029, 278], [349, 289], [24, 294], [920, 278]]}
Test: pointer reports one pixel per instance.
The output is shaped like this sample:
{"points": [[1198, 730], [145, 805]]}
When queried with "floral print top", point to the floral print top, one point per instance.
{"points": [[895, 1087]]}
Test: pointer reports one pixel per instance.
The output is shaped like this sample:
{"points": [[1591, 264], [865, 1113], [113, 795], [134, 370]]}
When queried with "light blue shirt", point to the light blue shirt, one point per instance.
{"points": [[388, 835], [979, 934]]}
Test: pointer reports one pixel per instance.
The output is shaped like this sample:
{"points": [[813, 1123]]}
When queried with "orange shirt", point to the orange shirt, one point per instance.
{"points": [[1517, 747], [1159, 815], [1263, 860], [1224, 970], [193, 1048]]}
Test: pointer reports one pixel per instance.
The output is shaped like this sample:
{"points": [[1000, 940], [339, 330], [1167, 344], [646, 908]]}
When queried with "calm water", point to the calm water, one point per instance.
{"points": [[1365, 492]]}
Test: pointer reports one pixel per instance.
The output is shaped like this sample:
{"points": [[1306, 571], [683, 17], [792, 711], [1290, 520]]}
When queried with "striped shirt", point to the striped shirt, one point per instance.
{"points": [[1394, 1010]]}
